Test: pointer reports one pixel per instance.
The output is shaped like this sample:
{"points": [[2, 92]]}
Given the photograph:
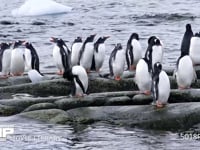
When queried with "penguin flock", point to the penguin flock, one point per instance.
{"points": [[88, 55]]}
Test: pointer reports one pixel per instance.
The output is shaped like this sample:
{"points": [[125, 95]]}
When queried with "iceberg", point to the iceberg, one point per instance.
{"points": [[40, 7]]}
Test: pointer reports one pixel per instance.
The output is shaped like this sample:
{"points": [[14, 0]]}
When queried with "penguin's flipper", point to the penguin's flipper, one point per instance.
{"points": [[80, 83], [127, 60], [194, 76], [154, 87], [110, 66], [93, 66], [131, 54], [64, 58]]}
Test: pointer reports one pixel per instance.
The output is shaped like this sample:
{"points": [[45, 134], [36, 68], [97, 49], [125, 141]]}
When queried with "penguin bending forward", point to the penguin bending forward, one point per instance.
{"points": [[99, 53], [117, 62], [61, 55], [17, 65], [5, 57], [160, 86], [31, 57], [184, 71], [194, 51], [79, 80], [133, 51]]}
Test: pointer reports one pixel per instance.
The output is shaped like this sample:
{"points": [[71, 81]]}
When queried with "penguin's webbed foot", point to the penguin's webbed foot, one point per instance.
{"points": [[117, 78], [159, 104], [132, 68], [4, 76], [60, 72], [147, 92], [183, 88]]}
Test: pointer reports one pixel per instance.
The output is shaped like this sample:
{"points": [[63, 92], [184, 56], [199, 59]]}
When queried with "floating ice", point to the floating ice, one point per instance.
{"points": [[40, 7]]}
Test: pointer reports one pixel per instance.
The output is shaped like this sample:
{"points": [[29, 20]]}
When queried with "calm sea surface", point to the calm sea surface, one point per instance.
{"points": [[163, 18]]}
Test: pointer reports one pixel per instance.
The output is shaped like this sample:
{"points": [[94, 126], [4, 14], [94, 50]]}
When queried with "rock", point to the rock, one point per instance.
{"points": [[8, 110], [40, 106], [172, 117], [47, 115], [22, 104], [142, 99]]}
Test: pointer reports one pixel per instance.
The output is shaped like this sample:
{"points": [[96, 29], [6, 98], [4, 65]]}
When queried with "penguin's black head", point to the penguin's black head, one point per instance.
{"points": [[151, 39], [4, 46], [134, 36], [90, 38], [18, 43], [78, 40], [27, 45], [157, 68], [118, 46], [68, 74], [188, 27], [197, 34], [58, 41], [102, 39]]}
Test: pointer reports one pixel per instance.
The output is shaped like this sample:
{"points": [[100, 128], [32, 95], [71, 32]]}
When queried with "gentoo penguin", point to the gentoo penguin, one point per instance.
{"points": [[154, 52], [143, 75], [160, 86], [5, 58], [185, 44], [17, 65], [86, 53], [184, 72], [75, 50], [133, 51], [31, 57], [117, 62], [61, 55], [79, 80], [35, 76], [194, 51], [99, 53]]}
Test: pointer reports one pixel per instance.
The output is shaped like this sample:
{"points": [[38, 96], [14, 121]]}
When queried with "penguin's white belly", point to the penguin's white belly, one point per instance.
{"points": [[57, 58], [137, 51], [195, 50], [163, 88], [185, 72], [80, 71], [86, 60], [34, 76], [119, 63], [157, 54], [17, 61], [6, 59], [142, 76], [99, 57], [75, 53], [28, 59]]}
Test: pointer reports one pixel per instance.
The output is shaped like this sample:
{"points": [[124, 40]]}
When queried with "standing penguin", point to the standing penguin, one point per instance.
{"points": [[86, 53], [143, 75], [154, 52], [133, 51], [79, 80], [184, 72], [194, 51], [75, 52], [5, 58], [17, 65], [99, 53], [31, 57], [61, 55], [185, 44], [117, 62], [160, 86]]}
